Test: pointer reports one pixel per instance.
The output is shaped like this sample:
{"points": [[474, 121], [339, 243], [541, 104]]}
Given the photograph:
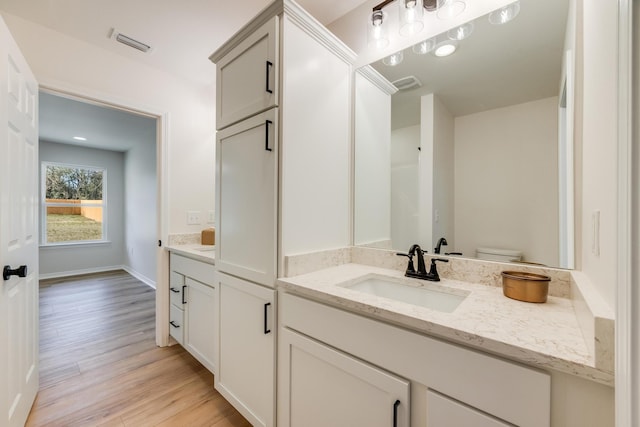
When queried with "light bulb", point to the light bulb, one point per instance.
{"points": [[461, 32], [504, 14], [410, 15], [393, 59], [377, 31], [451, 9], [424, 47]]}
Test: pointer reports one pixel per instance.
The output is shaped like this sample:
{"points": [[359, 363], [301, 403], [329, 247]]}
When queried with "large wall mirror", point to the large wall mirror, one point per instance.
{"points": [[474, 148]]}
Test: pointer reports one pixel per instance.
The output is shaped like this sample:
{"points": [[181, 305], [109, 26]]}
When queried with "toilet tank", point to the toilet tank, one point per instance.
{"points": [[497, 254]]}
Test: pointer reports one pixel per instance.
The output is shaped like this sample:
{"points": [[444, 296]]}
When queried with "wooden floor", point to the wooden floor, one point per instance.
{"points": [[99, 365]]}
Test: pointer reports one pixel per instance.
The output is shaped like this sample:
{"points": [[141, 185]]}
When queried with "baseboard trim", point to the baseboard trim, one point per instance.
{"points": [[72, 273], [80, 272], [144, 279]]}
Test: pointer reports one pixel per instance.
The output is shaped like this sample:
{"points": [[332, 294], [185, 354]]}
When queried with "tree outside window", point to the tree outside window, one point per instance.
{"points": [[74, 204]]}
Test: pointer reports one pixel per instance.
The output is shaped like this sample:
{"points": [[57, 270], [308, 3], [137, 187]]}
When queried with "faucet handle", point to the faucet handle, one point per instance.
{"points": [[433, 271], [410, 267]]}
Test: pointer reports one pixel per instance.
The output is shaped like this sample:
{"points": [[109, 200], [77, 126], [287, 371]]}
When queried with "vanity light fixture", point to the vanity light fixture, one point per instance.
{"points": [[411, 18], [504, 14], [393, 59], [79, 138]]}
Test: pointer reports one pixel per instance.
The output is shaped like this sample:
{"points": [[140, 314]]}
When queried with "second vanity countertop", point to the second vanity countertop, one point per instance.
{"points": [[204, 253], [545, 335]]}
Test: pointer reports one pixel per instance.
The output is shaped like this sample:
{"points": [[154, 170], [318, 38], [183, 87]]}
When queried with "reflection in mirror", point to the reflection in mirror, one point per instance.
{"points": [[475, 147]]}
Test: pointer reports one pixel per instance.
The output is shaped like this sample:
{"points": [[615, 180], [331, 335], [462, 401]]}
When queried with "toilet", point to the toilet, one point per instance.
{"points": [[496, 254]]}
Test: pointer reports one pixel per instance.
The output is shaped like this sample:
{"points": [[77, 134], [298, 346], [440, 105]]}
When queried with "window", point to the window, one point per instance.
{"points": [[73, 204]]}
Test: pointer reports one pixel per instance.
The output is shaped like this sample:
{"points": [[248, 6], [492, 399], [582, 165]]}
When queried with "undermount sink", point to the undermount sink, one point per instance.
{"points": [[205, 248], [429, 296]]}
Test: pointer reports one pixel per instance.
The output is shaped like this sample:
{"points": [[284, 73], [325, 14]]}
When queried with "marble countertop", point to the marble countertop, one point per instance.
{"points": [[545, 335], [204, 253]]}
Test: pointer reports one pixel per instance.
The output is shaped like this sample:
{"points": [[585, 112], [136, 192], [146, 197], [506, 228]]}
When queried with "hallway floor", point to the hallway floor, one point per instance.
{"points": [[99, 365]]}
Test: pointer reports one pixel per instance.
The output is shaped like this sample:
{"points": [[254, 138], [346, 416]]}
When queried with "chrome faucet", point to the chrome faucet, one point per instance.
{"points": [[441, 242]]}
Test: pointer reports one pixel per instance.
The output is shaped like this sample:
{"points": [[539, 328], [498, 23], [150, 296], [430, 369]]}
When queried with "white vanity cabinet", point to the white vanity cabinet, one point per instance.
{"points": [[246, 341], [192, 314], [321, 386], [451, 386]]}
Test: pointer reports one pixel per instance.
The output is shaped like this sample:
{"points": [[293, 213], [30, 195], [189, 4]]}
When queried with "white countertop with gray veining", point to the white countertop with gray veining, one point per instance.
{"points": [[545, 335], [204, 253]]}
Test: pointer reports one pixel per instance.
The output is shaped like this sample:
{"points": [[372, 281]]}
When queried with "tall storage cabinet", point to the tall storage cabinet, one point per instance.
{"points": [[283, 119]]}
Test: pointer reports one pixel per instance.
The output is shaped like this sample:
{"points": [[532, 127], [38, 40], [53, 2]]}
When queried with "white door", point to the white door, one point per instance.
{"points": [[18, 233]]}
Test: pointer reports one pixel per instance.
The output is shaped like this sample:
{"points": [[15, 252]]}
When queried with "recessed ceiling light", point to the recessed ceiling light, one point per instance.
{"points": [[79, 138], [445, 49]]}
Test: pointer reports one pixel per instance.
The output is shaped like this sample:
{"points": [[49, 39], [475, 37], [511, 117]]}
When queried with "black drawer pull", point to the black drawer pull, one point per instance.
{"points": [[183, 300], [395, 413], [172, 323], [266, 134], [268, 69], [266, 328], [174, 290]]}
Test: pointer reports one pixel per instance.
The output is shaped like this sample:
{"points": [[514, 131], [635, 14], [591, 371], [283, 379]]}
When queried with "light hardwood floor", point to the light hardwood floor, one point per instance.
{"points": [[99, 365]]}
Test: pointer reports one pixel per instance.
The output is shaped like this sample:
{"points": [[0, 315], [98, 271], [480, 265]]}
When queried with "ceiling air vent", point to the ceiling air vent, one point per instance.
{"points": [[131, 42], [406, 83]]}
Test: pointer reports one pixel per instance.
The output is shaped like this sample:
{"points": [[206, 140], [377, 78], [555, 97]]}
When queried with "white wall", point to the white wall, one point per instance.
{"points": [[316, 151], [436, 174], [78, 258], [141, 210], [372, 205], [66, 63], [505, 165], [443, 176], [404, 186], [598, 38]]}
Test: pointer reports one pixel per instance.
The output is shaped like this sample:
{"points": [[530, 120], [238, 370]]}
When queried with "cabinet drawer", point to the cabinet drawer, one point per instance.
{"points": [[201, 271], [177, 289], [176, 323], [247, 77]]}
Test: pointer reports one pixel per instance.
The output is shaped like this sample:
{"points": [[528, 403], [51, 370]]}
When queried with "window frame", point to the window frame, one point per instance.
{"points": [[44, 204]]}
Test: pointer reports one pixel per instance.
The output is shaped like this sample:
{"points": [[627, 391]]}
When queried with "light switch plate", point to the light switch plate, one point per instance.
{"points": [[193, 218], [211, 217]]}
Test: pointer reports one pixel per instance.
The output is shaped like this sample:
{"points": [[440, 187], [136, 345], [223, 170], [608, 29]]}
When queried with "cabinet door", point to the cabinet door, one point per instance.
{"points": [[200, 322], [246, 363], [246, 198], [445, 412], [320, 386], [247, 76]]}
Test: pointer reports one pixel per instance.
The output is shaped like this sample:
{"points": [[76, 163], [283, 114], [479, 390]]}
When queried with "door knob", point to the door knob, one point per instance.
{"points": [[7, 272]]}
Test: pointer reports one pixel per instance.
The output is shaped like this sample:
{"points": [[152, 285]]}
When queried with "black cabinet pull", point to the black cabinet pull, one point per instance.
{"points": [[183, 288], [174, 290], [172, 323], [395, 413], [266, 134], [268, 69], [266, 328], [7, 272]]}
